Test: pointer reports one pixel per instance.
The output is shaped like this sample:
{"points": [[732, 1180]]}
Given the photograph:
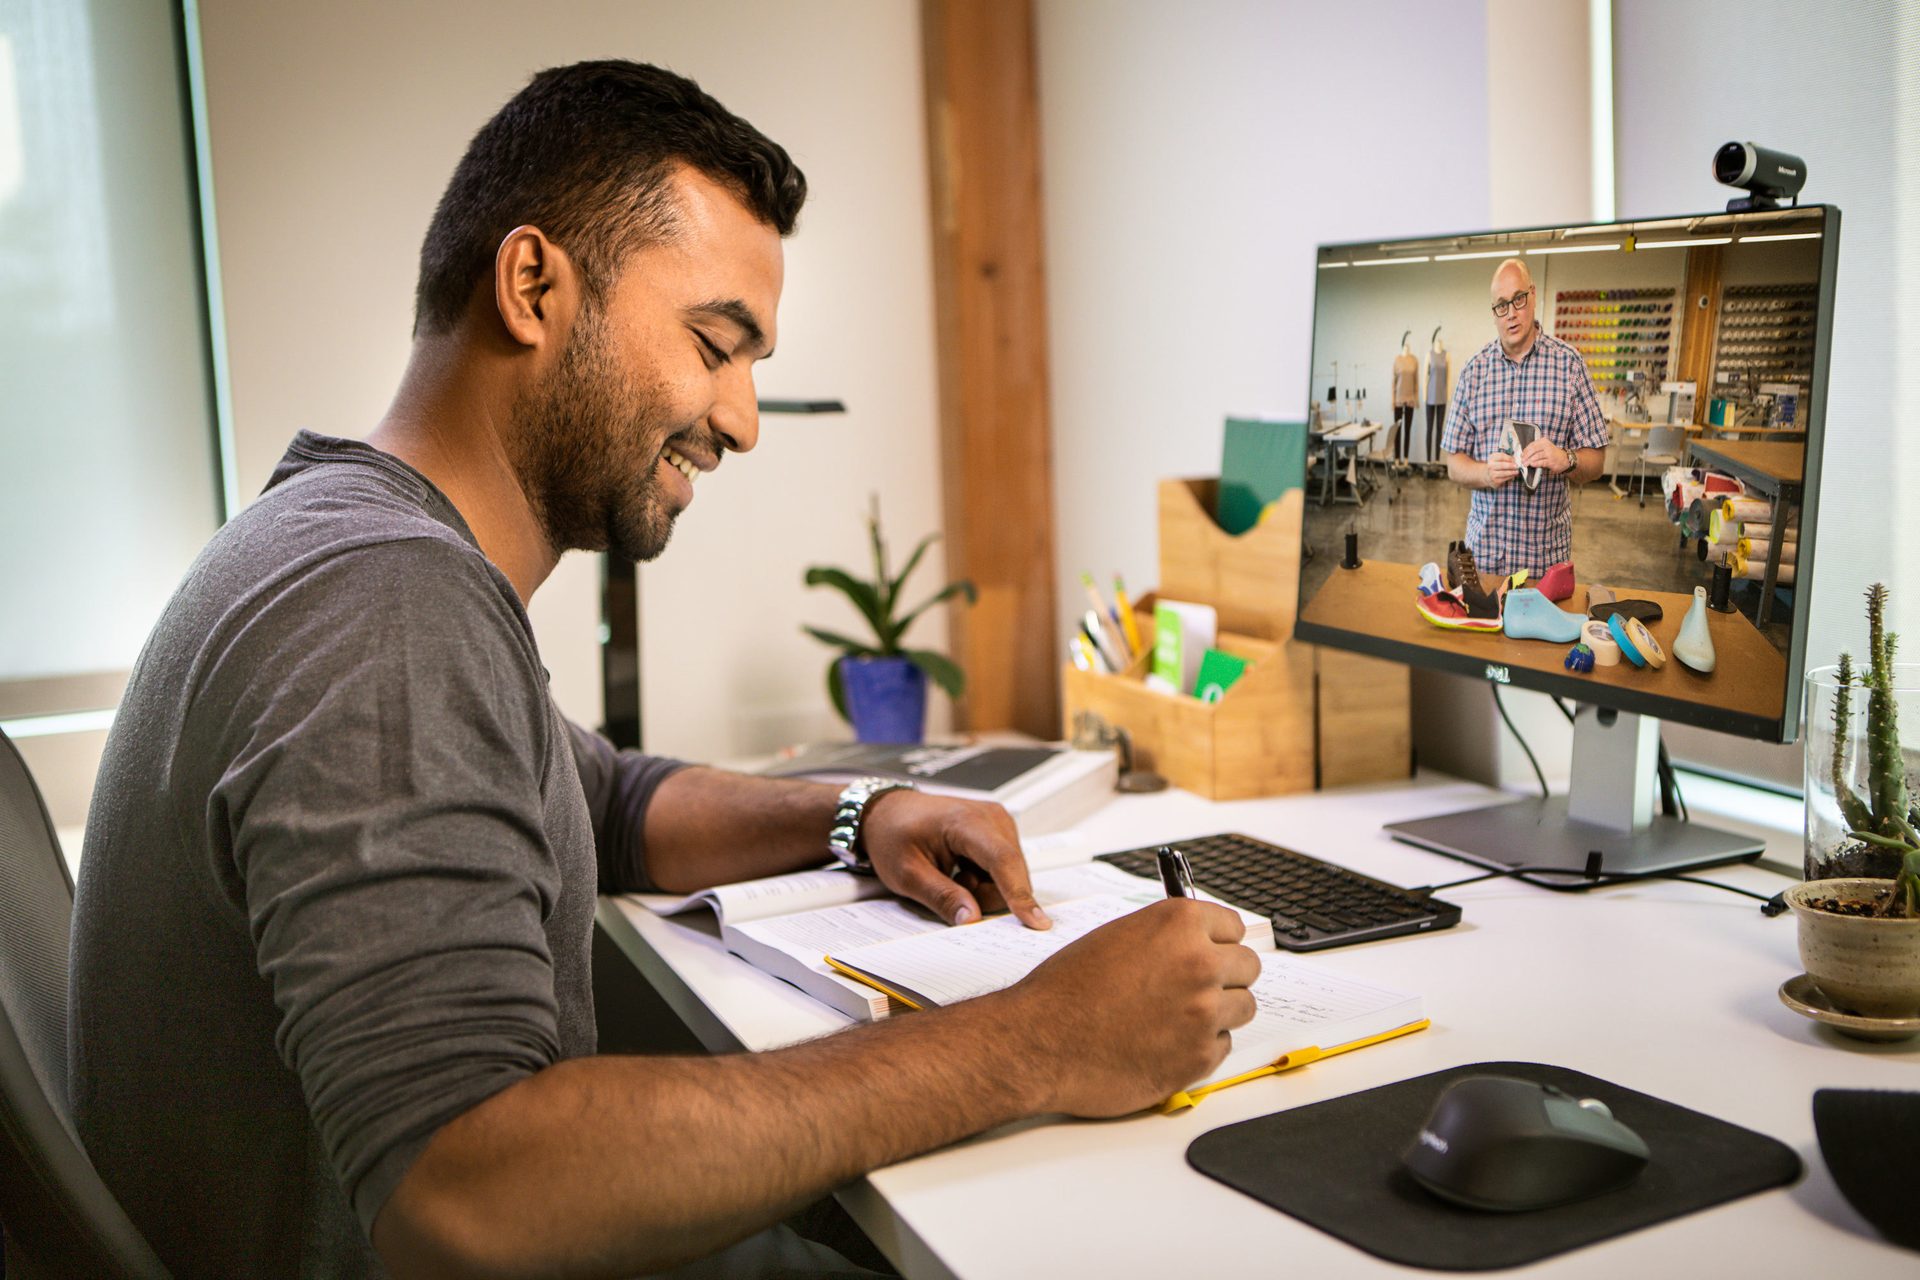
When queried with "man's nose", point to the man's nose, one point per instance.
{"points": [[736, 417]]}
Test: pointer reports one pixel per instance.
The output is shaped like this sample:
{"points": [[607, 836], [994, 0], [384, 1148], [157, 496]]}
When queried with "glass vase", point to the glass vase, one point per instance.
{"points": [[1833, 760]]}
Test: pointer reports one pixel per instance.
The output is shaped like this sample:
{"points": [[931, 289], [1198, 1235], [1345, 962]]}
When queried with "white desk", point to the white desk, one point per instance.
{"points": [[1667, 988]]}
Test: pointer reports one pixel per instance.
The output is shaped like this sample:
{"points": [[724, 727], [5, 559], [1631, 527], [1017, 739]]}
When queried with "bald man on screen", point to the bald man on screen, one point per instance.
{"points": [[1523, 375]]}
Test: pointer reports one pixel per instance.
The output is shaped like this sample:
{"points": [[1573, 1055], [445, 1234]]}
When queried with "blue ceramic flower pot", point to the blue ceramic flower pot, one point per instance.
{"points": [[886, 698]]}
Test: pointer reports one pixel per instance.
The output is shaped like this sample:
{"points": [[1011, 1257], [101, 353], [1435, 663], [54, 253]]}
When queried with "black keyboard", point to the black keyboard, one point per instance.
{"points": [[1312, 904]]}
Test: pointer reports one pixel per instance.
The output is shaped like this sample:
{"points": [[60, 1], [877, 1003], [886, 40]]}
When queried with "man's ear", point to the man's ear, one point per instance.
{"points": [[535, 287]]}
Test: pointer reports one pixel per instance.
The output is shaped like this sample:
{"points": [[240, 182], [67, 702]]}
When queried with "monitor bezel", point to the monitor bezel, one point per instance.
{"points": [[1678, 710]]}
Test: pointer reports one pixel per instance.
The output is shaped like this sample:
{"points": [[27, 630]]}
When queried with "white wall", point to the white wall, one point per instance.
{"points": [[1193, 156], [1836, 108], [335, 125]]}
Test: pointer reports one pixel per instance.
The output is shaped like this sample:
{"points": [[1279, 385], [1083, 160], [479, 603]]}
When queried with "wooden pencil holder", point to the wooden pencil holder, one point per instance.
{"points": [[1300, 717]]}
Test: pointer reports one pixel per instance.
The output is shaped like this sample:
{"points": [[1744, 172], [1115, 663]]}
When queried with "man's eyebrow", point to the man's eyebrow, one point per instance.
{"points": [[742, 316]]}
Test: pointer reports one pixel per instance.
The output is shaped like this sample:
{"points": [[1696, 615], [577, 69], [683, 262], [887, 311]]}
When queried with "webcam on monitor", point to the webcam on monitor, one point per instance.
{"points": [[1767, 176]]}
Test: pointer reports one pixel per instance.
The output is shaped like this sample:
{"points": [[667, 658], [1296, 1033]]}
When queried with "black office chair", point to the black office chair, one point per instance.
{"points": [[60, 1218]]}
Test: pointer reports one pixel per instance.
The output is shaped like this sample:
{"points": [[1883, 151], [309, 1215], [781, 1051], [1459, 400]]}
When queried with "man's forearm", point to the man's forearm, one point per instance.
{"points": [[707, 826], [1470, 472], [1587, 465], [616, 1166]]}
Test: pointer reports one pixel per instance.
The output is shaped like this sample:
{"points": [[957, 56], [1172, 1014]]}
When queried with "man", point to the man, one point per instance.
{"points": [[1523, 375], [331, 1012]]}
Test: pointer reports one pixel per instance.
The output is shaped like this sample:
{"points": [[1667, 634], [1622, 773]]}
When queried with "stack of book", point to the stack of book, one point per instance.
{"points": [[1045, 788]]}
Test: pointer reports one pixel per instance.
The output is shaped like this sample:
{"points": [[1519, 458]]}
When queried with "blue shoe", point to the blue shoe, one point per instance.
{"points": [[1528, 615]]}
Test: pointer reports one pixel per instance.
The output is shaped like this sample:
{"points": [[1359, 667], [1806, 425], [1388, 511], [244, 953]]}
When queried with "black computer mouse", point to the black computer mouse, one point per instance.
{"points": [[1493, 1142]]}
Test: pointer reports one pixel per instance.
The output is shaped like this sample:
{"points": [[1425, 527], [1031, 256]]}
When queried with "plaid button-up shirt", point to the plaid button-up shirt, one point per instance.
{"points": [[1514, 527]]}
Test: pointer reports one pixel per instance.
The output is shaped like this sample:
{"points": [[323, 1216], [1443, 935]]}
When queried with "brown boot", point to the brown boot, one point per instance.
{"points": [[1461, 573]]}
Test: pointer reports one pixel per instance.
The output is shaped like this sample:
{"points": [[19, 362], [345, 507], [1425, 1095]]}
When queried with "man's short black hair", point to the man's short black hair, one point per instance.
{"points": [[586, 153]]}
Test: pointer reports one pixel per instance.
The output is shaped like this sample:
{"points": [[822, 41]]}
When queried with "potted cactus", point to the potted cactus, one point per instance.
{"points": [[1860, 810], [1860, 913]]}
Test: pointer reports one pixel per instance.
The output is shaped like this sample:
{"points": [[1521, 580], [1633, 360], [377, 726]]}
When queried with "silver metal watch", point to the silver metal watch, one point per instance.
{"points": [[850, 816]]}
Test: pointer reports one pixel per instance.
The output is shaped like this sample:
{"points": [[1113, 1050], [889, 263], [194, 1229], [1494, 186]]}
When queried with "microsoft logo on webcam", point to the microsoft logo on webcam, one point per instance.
{"points": [[1499, 673]]}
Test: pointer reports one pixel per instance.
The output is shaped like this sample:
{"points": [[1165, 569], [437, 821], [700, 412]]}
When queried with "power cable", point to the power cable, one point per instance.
{"points": [[1593, 877], [1522, 741]]}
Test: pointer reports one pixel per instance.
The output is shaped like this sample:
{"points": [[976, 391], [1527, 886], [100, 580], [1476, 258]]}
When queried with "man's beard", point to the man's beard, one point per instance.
{"points": [[586, 444]]}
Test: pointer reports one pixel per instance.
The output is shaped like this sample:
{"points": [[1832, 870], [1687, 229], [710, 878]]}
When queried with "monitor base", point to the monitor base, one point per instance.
{"points": [[1539, 833]]}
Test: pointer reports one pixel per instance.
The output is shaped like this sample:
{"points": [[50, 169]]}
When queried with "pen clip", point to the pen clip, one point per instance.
{"points": [[1175, 874]]}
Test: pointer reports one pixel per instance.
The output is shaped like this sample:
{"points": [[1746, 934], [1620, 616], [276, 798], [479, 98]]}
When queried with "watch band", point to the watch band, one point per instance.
{"points": [[850, 818]]}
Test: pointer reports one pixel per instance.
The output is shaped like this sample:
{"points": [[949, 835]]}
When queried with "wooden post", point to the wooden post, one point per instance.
{"points": [[990, 292], [1700, 326]]}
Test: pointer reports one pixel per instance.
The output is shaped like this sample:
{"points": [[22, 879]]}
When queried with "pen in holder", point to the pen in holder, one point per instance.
{"points": [[1298, 718]]}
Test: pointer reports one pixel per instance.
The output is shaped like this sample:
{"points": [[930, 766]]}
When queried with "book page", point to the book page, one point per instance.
{"points": [[1299, 1004], [831, 886], [1303, 1005], [772, 896], [957, 964], [1057, 849], [810, 935], [1091, 880]]}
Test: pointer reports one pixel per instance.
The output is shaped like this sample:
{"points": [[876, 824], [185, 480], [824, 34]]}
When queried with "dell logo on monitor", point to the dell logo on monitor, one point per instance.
{"points": [[1498, 673]]}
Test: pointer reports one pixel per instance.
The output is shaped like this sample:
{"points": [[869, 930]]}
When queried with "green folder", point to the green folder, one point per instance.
{"points": [[1260, 461]]}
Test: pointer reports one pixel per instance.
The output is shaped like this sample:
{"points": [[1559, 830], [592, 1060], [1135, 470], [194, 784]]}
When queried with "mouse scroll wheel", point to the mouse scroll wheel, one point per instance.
{"points": [[1596, 1106]]}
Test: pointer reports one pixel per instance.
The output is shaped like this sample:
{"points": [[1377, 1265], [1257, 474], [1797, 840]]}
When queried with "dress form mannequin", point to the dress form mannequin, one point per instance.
{"points": [[1436, 396], [1406, 391]]}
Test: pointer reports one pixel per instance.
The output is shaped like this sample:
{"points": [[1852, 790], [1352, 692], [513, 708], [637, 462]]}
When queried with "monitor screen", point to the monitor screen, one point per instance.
{"points": [[1517, 433]]}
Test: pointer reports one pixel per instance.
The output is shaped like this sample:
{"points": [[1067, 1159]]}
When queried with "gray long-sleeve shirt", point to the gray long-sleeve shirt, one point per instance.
{"points": [[339, 873]]}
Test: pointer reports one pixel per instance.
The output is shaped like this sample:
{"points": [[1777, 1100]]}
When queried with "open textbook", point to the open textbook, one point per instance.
{"points": [[1305, 1011], [787, 925]]}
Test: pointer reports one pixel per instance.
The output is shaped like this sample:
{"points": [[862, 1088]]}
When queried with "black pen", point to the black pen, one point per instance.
{"points": [[1175, 874]]}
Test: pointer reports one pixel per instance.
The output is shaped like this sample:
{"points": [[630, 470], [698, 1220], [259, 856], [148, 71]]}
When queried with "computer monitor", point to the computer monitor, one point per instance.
{"points": [[1682, 363]]}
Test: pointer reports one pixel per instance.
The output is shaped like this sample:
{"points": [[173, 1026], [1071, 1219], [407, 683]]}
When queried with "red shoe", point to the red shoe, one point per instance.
{"points": [[1556, 584], [1447, 610]]}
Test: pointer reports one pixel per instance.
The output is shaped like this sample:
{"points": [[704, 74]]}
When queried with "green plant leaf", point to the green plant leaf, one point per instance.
{"points": [[940, 669], [1872, 837], [858, 648], [913, 561], [865, 597], [837, 691], [963, 587], [879, 549]]}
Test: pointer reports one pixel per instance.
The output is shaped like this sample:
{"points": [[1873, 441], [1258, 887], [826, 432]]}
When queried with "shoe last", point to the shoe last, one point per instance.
{"points": [[1528, 615], [1694, 645]]}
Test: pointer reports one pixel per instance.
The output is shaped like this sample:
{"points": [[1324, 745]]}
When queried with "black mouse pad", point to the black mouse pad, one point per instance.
{"points": [[1336, 1165]]}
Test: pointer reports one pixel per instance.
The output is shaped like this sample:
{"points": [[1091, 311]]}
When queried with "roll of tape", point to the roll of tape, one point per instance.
{"points": [[1616, 623], [1599, 638], [1643, 640]]}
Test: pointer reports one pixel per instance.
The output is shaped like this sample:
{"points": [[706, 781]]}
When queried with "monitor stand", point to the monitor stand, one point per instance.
{"points": [[1609, 812]]}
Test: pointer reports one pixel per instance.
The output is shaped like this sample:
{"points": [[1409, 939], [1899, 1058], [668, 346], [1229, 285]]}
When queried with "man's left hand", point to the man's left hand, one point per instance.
{"points": [[957, 857], [1545, 453]]}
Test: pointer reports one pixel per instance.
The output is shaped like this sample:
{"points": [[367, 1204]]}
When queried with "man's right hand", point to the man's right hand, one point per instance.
{"points": [[1137, 1009], [1501, 468]]}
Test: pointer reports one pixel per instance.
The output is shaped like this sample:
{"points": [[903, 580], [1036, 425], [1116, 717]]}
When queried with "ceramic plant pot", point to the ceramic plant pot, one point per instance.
{"points": [[1864, 965], [886, 698]]}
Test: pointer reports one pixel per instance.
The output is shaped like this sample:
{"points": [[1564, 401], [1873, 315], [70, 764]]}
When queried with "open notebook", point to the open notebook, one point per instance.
{"points": [[1306, 1011], [786, 925]]}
